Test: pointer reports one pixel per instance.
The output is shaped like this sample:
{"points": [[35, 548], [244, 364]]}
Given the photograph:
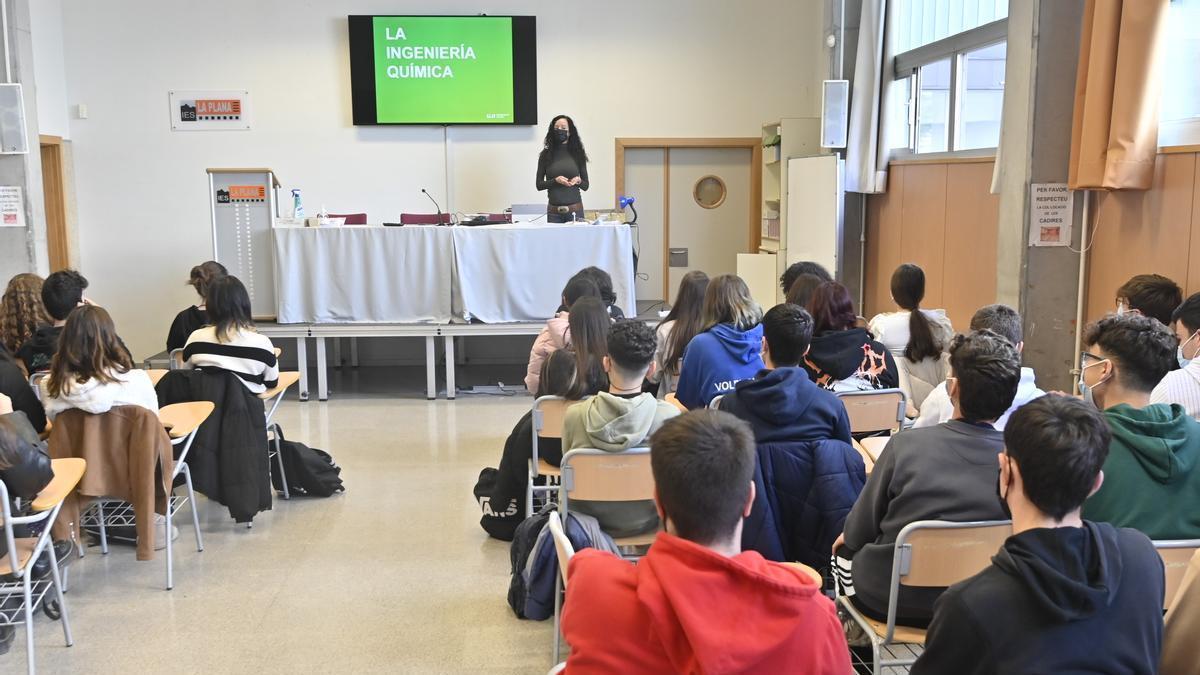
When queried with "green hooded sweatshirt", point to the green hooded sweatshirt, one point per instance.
{"points": [[613, 424], [1151, 481]]}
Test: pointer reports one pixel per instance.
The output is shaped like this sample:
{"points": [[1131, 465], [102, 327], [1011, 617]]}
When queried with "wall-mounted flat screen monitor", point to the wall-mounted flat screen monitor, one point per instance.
{"points": [[443, 69]]}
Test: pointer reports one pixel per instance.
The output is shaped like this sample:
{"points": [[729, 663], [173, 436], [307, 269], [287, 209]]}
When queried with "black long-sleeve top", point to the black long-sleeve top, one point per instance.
{"points": [[559, 162], [14, 385]]}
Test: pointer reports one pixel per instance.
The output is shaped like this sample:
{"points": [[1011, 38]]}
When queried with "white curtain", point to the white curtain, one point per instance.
{"points": [[867, 149]]}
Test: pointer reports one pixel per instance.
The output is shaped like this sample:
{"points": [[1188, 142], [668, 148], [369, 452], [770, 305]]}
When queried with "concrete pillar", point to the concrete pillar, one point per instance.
{"points": [[1043, 52]]}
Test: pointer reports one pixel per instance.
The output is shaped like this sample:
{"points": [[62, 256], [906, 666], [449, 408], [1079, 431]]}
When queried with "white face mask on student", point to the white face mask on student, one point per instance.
{"points": [[1183, 360]]}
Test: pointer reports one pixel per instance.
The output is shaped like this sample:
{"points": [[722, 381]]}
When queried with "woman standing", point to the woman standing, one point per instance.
{"points": [[562, 169]]}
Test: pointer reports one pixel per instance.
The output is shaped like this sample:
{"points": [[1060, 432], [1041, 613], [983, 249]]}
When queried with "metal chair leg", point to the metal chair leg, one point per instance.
{"points": [[103, 528], [167, 535], [59, 588], [29, 622], [187, 478], [557, 614], [279, 460]]}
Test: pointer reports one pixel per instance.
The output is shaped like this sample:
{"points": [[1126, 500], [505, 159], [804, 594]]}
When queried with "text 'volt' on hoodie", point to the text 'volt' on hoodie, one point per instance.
{"points": [[687, 609], [715, 361]]}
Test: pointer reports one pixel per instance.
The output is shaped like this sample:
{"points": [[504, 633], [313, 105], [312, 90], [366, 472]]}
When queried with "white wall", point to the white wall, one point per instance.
{"points": [[621, 68], [49, 67]]}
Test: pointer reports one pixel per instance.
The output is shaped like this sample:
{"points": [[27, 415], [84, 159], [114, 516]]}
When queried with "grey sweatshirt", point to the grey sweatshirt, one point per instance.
{"points": [[613, 424], [946, 472]]}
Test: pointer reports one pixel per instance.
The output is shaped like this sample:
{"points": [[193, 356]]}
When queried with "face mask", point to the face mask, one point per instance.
{"points": [[1183, 361], [1084, 390], [1001, 497], [562, 135]]}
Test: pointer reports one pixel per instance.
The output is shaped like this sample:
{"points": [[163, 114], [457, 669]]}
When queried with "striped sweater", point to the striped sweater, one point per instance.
{"points": [[248, 355]]}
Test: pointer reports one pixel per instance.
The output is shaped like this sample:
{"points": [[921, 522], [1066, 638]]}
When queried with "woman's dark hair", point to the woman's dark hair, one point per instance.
{"points": [[88, 348], [204, 274], [831, 308], [588, 324], [574, 142], [578, 287], [228, 307], [908, 289], [603, 281], [802, 289], [687, 314], [793, 272], [558, 373]]}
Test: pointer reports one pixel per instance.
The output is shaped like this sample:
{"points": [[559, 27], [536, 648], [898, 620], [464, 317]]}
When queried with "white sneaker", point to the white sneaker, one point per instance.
{"points": [[160, 528]]}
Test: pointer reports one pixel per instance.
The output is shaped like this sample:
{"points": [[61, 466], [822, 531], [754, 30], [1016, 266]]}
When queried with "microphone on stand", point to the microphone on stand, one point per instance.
{"points": [[435, 205]]}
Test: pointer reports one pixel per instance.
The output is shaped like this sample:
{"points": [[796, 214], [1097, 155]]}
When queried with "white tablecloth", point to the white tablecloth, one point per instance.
{"points": [[354, 274], [517, 272], [415, 274]]}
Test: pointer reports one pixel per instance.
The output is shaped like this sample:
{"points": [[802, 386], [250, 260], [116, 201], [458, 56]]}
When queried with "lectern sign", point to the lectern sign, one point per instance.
{"points": [[209, 110]]}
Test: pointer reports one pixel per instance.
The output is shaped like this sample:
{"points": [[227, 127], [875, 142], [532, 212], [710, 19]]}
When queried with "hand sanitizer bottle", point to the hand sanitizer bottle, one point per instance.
{"points": [[297, 205]]}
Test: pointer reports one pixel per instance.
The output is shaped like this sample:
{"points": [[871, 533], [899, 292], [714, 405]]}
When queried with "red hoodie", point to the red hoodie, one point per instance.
{"points": [[688, 609]]}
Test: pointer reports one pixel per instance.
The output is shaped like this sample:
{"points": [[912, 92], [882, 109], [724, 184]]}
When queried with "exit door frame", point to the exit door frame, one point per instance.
{"points": [[753, 144]]}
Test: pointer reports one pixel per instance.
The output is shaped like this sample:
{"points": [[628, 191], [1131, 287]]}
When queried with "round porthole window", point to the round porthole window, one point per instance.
{"points": [[709, 192]]}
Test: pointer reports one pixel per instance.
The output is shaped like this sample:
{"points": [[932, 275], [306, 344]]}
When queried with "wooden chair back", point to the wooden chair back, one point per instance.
{"points": [[607, 476], [562, 545], [870, 411], [935, 554], [156, 375], [1175, 555], [548, 415]]}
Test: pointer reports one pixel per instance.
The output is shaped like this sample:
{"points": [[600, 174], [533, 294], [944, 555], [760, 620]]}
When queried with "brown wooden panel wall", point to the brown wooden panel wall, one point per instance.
{"points": [[941, 216], [1147, 232]]}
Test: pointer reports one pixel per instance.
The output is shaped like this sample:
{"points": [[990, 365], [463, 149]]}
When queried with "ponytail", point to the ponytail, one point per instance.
{"points": [[908, 289]]}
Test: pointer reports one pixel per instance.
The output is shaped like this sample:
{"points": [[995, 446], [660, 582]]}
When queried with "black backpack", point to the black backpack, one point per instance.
{"points": [[522, 546], [310, 472]]}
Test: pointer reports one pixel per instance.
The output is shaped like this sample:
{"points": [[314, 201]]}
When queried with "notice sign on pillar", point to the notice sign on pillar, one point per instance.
{"points": [[12, 206], [227, 110], [1051, 211]]}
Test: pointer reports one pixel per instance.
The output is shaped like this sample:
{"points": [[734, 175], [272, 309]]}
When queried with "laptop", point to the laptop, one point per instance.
{"points": [[525, 213]]}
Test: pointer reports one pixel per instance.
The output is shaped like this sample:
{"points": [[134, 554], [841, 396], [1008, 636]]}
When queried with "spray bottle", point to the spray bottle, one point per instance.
{"points": [[297, 205]]}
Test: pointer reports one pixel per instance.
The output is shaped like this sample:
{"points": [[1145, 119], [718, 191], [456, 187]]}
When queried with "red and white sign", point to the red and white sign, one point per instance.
{"points": [[209, 110]]}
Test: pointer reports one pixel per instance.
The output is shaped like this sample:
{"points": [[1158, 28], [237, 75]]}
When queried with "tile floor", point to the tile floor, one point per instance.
{"points": [[393, 576]]}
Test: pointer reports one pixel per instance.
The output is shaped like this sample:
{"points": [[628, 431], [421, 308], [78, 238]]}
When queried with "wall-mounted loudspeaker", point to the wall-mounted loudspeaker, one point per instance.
{"points": [[835, 112], [13, 138]]}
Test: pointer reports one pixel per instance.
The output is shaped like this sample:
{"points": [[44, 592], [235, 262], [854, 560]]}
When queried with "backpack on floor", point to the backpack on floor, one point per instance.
{"points": [[523, 542], [499, 520], [310, 472]]}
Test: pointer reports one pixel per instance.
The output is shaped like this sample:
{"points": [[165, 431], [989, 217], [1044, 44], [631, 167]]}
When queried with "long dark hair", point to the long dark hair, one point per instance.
{"points": [[589, 324], [204, 274], [908, 289], [802, 289], [686, 313], [574, 142], [88, 348], [228, 306], [558, 374], [832, 308]]}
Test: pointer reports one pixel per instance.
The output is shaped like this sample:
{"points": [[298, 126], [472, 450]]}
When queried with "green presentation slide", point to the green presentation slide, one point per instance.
{"points": [[443, 69]]}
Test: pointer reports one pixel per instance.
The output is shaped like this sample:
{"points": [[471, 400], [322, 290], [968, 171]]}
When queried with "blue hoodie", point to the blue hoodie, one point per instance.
{"points": [[715, 361], [807, 476]]}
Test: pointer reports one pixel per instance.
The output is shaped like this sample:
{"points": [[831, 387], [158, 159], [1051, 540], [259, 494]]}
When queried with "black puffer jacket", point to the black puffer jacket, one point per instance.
{"points": [[24, 464]]}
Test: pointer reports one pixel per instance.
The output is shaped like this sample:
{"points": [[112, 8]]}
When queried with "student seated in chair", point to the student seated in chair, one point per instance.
{"points": [[62, 292], [1064, 594], [618, 419], [556, 334], [697, 603], [92, 370], [808, 474], [1183, 386], [1005, 322], [947, 472], [232, 343], [1152, 478], [1151, 295], [194, 317]]}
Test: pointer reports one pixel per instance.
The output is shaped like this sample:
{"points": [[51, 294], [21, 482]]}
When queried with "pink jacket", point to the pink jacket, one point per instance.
{"points": [[555, 335]]}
